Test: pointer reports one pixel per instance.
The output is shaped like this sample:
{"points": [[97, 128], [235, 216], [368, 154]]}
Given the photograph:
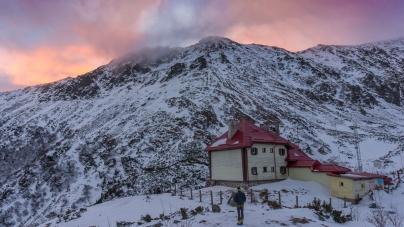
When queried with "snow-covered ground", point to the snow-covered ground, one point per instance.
{"points": [[131, 209]]}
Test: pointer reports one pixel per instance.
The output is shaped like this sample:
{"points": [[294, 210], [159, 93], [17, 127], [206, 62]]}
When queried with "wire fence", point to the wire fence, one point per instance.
{"points": [[275, 198]]}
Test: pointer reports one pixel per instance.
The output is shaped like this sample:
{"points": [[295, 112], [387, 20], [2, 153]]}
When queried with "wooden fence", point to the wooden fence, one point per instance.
{"points": [[218, 197]]}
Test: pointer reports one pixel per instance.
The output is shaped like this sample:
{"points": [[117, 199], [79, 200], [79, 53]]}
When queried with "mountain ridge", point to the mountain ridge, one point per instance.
{"points": [[143, 120]]}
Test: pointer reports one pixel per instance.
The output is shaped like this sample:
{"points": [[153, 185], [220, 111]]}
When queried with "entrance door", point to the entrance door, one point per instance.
{"points": [[372, 185]]}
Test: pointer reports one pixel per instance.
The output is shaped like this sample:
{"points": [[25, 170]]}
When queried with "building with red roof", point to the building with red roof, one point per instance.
{"points": [[248, 154], [355, 185]]}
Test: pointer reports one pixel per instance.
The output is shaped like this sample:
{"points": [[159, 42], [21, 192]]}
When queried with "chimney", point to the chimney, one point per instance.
{"points": [[264, 126], [233, 127], [277, 128]]}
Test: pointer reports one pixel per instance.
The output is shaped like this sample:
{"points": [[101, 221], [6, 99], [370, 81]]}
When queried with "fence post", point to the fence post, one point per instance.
{"points": [[297, 202], [345, 202], [330, 202], [221, 197], [191, 193], [200, 196], [181, 191], [211, 197], [279, 195], [251, 195]]}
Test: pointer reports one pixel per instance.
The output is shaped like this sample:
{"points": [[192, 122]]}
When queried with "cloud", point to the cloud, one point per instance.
{"points": [[44, 64], [6, 83], [42, 41]]}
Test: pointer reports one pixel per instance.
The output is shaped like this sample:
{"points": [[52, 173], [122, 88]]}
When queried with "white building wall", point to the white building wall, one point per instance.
{"points": [[322, 178], [305, 174], [302, 173], [226, 165], [268, 160]]}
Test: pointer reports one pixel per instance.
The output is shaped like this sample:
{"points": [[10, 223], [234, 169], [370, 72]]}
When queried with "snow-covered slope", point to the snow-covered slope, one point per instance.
{"points": [[143, 120], [257, 213]]}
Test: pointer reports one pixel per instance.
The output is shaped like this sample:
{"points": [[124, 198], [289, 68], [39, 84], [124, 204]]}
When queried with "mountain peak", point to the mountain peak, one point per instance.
{"points": [[215, 40]]}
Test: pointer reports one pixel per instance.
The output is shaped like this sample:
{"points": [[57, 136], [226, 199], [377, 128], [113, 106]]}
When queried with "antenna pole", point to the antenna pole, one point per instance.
{"points": [[358, 152]]}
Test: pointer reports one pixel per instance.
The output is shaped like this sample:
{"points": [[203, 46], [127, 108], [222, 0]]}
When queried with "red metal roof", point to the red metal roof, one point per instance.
{"points": [[246, 135], [295, 154], [358, 175], [303, 163], [330, 168]]}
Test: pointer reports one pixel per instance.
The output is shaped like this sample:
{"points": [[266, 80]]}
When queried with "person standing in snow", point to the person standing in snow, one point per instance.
{"points": [[239, 199]]}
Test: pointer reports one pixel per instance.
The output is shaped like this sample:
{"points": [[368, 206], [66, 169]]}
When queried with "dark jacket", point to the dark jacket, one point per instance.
{"points": [[239, 198]]}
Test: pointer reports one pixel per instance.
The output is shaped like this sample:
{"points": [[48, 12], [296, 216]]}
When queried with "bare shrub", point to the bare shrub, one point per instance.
{"points": [[355, 214], [378, 216], [396, 219]]}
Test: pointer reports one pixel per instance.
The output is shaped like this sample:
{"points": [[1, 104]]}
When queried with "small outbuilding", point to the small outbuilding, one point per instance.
{"points": [[377, 163], [302, 167], [354, 185]]}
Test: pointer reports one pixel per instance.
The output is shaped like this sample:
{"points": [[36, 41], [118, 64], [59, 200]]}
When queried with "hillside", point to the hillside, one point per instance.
{"points": [[143, 120]]}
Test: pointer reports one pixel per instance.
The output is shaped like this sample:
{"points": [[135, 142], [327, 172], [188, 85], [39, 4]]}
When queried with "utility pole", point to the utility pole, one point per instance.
{"points": [[337, 135], [358, 152]]}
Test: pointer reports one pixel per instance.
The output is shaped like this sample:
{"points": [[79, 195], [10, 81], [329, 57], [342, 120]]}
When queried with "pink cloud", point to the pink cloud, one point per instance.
{"points": [[77, 36]]}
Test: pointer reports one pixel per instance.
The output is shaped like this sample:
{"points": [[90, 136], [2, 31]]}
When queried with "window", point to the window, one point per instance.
{"points": [[283, 169], [264, 150], [254, 150], [341, 184], [272, 169], [363, 185], [282, 151], [265, 169], [271, 150], [254, 170]]}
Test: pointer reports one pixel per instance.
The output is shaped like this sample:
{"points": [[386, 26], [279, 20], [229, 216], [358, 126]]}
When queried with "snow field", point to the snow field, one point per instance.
{"points": [[131, 209]]}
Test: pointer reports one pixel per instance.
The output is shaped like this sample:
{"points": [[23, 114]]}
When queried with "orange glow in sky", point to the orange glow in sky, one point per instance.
{"points": [[45, 41]]}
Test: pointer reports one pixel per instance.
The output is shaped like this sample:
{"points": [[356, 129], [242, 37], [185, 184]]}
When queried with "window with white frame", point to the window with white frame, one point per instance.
{"points": [[282, 151], [254, 170], [271, 150], [254, 150], [264, 150], [272, 169], [283, 169]]}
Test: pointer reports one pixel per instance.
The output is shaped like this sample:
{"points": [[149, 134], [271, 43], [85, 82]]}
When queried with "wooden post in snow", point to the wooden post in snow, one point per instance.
{"points": [[200, 196], [345, 202], [211, 197], [330, 202], [251, 196], [191, 194], [297, 202], [221, 198], [279, 196]]}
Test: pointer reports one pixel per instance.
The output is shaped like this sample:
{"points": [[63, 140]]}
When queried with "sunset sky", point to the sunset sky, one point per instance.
{"points": [[47, 40]]}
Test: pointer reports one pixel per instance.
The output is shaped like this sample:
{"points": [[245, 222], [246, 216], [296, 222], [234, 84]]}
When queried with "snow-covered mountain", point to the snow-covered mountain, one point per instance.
{"points": [[143, 120]]}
